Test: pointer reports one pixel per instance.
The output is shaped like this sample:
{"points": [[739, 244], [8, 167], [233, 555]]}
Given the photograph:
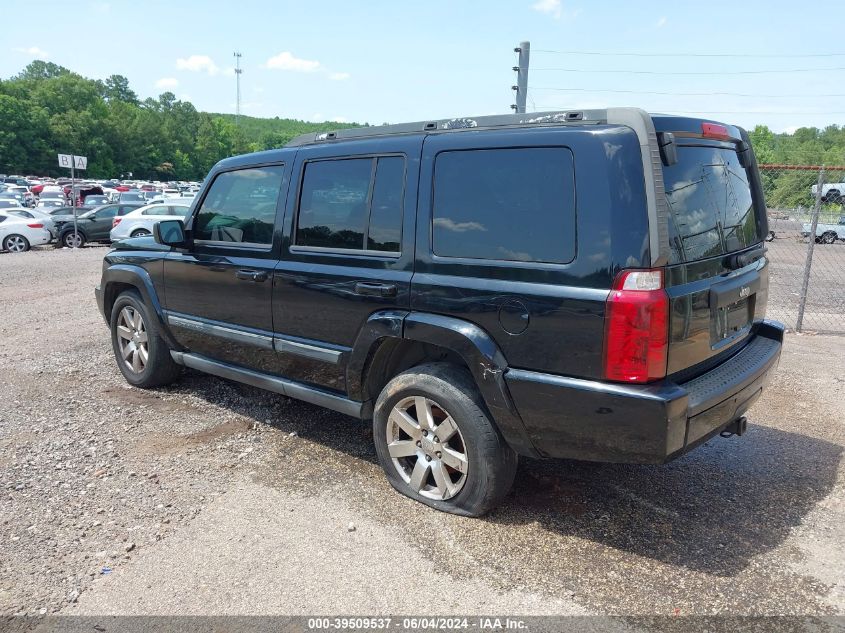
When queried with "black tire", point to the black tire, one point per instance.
{"points": [[833, 195], [829, 237], [17, 242], [491, 462], [770, 237], [159, 368], [140, 233], [67, 238]]}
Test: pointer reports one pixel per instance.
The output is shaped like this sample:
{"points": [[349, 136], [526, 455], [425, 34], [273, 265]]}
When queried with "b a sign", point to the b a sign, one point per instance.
{"points": [[69, 160]]}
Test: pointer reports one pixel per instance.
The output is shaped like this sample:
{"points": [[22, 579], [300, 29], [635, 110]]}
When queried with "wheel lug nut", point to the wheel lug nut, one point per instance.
{"points": [[436, 439], [428, 458], [439, 454], [419, 443], [425, 433]]}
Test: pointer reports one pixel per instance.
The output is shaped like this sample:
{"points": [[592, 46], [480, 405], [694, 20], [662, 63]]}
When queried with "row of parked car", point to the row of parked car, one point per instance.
{"points": [[22, 228]]}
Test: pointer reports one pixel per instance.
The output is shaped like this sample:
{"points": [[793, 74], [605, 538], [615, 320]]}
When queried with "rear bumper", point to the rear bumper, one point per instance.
{"points": [[609, 422]]}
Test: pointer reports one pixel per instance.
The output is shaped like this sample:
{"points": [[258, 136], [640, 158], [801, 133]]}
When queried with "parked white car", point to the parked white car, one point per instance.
{"points": [[19, 234], [39, 215], [140, 221]]}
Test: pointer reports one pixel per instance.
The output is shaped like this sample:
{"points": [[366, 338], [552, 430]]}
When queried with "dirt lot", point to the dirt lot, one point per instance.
{"points": [[211, 497], [825, 309]]}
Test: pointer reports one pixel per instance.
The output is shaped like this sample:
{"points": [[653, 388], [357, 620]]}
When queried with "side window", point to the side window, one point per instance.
{"points": [[155, 211], [505, 204], [342, 201], [106, 212], [385, 229], [241, 207]]}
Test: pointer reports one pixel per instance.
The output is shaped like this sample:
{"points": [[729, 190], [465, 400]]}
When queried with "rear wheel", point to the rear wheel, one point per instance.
{"points": [[16, 243], [437, 444], [73, 240], [142, 355], [828, 238], [140, 233]]}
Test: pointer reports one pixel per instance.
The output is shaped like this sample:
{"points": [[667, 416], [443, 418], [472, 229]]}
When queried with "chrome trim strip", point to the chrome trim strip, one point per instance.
{"points": [[314, 352], [272, 383], [228, 333]]}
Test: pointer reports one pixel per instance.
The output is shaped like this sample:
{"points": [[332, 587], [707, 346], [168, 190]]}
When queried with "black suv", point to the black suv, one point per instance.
{"points": [[587, 285]]}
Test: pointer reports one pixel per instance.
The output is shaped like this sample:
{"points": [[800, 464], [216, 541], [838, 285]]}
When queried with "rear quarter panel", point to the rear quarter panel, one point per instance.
{"points": [[564, 303]]}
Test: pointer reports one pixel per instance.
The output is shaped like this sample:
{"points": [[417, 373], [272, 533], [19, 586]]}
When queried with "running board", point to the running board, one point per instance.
{"points": [[288, 388]]}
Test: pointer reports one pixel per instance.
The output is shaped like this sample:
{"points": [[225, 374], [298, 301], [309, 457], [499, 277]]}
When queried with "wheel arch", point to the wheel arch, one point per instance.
{"points": [[393, 341], [118, 278]]}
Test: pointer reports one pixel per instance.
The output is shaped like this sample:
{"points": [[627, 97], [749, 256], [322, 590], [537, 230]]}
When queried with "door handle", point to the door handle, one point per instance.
{"points": [[251, 275], [375, 290]]}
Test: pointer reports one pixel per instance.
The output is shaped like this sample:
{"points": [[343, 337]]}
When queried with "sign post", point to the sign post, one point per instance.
{"points": [[74, 162]]}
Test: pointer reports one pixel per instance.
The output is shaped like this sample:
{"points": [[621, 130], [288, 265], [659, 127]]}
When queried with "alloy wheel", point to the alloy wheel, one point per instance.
{"points": [[73, 240], [16, 244], [132, 339], [427, 448]]}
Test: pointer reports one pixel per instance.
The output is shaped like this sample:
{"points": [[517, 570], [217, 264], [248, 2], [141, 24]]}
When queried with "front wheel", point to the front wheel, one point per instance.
{"points": [[73, 240], [16, 244], [437, 444], [141, 353], [828, 238]]}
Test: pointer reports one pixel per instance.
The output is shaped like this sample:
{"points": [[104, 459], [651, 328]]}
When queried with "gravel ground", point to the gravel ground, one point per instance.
{"points": [[212, 497]]}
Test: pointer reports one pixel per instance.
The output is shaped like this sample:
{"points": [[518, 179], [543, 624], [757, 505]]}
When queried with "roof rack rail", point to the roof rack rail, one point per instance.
{"points": [[554, 117]]}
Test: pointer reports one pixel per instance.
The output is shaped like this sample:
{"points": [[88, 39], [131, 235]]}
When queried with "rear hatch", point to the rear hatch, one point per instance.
{"points": [[717, 273]]}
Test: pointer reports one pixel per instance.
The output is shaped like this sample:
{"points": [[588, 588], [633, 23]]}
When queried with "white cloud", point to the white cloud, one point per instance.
{"points": [[790, 129], [287, 61], [198, 64], [339, 76], [34, 51], [549, 7], [167, 83], [661, 22]]}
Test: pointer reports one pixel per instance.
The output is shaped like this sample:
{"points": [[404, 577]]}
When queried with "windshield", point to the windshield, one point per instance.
{"points": [[712, 210]]}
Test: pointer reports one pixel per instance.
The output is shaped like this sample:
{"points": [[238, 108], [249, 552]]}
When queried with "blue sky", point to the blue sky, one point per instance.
{"points": [[379, 61]]}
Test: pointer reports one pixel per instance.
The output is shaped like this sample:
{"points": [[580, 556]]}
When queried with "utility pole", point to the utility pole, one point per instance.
{"points": [[238, 72], [521, 87]]}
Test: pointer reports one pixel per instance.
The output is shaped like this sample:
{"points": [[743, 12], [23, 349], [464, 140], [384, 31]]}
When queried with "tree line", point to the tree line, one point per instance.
{"points": [[47, 109]]}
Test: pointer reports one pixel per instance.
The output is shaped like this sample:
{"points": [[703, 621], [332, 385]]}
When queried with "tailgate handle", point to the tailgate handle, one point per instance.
{"points": [[733, 290]]}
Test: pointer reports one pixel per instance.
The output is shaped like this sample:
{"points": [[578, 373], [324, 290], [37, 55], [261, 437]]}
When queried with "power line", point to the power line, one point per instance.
{"points": [[629, 54], [686, 94], [657, 72]]}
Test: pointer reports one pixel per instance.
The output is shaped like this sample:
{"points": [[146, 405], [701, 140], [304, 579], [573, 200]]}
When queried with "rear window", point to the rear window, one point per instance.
{"points": [[505, 204], [712, 211]]}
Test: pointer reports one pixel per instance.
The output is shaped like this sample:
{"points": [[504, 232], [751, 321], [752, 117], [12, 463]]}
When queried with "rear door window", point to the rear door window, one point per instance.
{"points": [[342, 201], [505, 204], [712, 210]]}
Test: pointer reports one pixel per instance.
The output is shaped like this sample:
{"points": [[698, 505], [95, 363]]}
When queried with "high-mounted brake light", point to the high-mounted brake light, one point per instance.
{"points": [[35, 226], [713, 130], [636, 327]]}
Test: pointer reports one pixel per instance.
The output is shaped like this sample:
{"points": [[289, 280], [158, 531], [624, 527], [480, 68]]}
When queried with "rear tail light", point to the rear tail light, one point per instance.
{"points": [[35, 226], [636, 327], [115, 222]]}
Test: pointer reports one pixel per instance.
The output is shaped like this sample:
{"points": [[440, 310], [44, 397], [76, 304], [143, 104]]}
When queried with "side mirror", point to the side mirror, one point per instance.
{"points": [[169, 233]]}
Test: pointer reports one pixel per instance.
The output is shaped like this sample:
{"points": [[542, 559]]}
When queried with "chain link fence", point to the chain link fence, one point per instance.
{"points": [[806, 208]]}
